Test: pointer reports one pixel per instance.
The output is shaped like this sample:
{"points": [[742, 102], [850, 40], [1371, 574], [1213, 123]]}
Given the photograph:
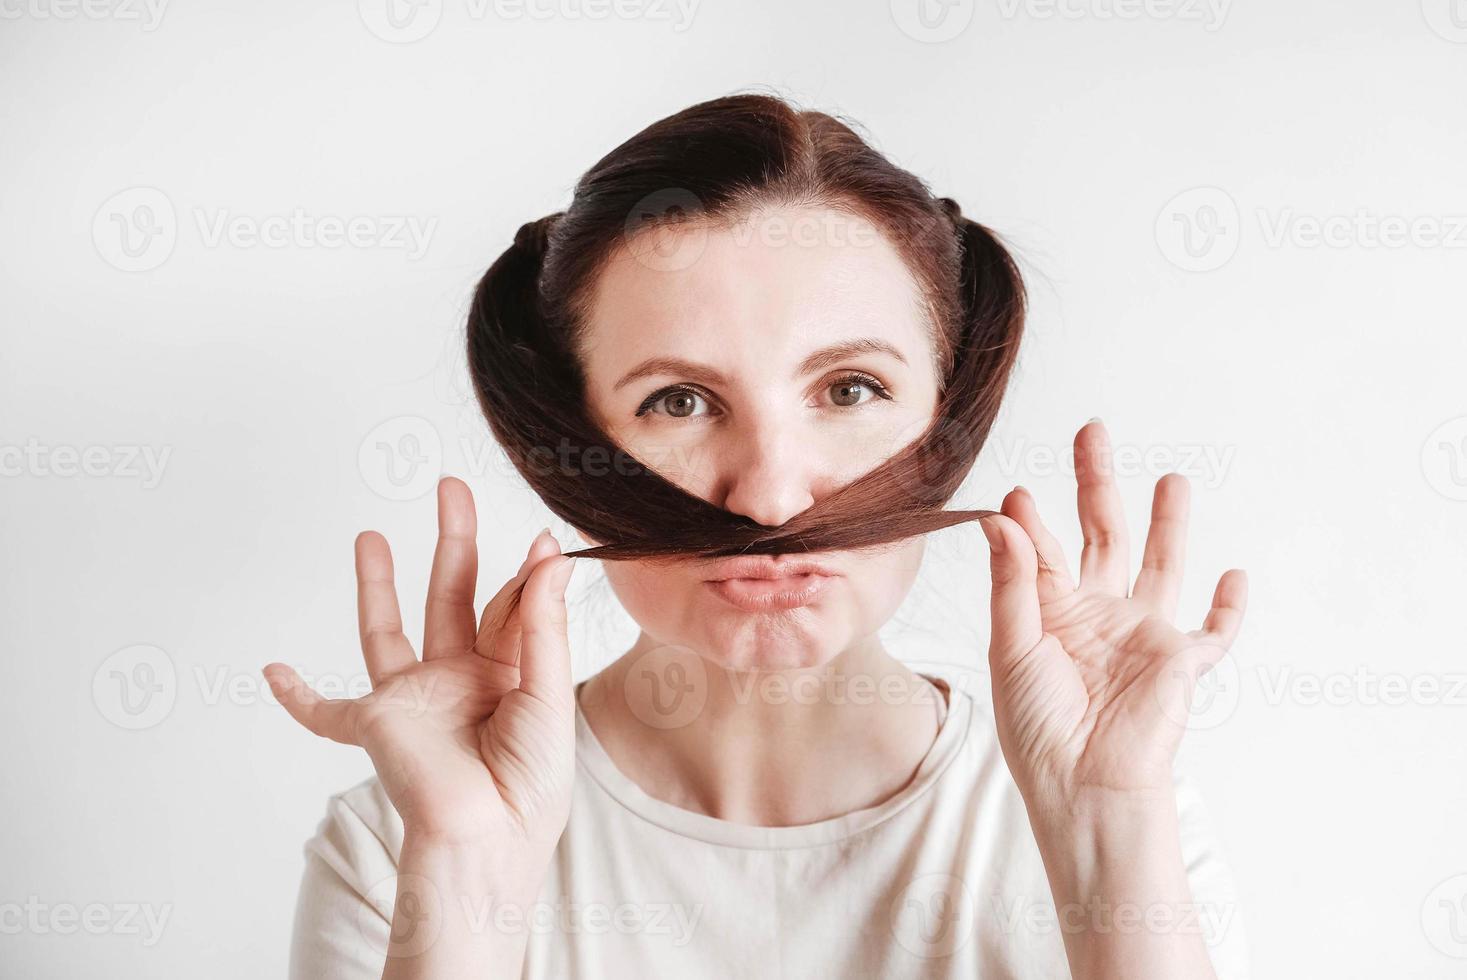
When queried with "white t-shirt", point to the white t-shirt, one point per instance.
{"points": [[943, 879]]}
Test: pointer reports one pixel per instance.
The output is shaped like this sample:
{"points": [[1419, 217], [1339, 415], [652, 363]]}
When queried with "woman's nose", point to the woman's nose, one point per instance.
{"points": [[772, 476]]}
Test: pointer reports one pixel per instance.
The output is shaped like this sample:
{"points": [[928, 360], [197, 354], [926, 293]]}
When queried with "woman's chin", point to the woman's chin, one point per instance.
{"points": [[766, 646]]}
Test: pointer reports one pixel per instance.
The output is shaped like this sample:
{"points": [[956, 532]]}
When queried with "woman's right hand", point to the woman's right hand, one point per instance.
{"points": [[475, 743]]}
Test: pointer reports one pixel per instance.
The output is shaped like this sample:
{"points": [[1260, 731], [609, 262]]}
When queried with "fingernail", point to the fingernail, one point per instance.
{"points": [[993, 534], [562, 575], [1095, 418], [530, 551]]}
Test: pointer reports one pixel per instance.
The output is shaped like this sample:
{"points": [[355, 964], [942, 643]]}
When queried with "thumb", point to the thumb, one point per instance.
{"points": [[1016, 623], [330, 718], [545, 669]]}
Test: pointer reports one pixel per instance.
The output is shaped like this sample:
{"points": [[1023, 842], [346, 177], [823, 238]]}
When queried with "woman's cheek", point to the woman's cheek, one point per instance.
{"points": [[888, 579], [651, 597]]}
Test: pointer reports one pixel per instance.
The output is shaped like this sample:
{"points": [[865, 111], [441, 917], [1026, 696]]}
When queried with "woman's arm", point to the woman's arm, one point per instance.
{"points": [[1092, 689]]}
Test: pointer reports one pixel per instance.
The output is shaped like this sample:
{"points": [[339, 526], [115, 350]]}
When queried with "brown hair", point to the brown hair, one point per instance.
{"points": [[715, 161]]}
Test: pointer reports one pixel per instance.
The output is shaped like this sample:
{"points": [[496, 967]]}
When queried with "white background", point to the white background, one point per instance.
{"points": [[1312, 391]]}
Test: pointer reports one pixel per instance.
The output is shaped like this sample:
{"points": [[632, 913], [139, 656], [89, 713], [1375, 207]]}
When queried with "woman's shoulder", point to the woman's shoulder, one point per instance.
{"points": [[343, 910], [361, 829]]}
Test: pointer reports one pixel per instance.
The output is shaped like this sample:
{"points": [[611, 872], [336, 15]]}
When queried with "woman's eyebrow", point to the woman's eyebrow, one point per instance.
{"points": [[709, 375], [847, 348]]}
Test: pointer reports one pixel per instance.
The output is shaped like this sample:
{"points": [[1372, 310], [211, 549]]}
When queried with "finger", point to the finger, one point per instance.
{"points": [[1103, 561], [1016, 623], [328, 718], [379, 621], [1160, 580], [448, 622], [498, 637], [506, 643], [1054, 581], [545, 668], [1229, 601]]}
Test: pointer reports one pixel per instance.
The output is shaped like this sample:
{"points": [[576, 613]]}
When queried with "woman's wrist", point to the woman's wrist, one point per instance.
{"points": [[1085, 834], [1119, 884], [461, 908], [476, 865]]}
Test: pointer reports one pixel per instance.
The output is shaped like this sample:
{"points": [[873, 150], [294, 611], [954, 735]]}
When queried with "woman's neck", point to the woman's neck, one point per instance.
{"points": [[769, 748]]}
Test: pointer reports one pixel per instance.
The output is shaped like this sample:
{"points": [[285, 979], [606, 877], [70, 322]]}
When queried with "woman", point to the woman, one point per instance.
{"points": [[806, 350]]}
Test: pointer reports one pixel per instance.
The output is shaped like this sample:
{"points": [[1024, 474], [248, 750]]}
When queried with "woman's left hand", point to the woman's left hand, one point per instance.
{"points": [[1092, 684]]}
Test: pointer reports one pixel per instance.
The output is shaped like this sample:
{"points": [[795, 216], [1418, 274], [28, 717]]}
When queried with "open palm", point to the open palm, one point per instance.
{"points": [[1092, 682]]}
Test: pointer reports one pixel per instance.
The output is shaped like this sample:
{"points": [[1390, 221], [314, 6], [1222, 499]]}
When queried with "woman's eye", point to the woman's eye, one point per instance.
{"points": [[678, 403], [682, 402]]}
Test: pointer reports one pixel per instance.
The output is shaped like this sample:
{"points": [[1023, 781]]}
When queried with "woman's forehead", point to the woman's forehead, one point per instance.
{"points": [[772, 289]]}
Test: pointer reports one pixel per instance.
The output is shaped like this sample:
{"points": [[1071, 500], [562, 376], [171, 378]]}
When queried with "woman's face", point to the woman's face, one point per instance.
{"points": [[761, 366]]}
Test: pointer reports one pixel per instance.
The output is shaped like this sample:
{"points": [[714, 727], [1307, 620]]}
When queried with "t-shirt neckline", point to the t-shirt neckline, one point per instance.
{"points": [[592, 756]]}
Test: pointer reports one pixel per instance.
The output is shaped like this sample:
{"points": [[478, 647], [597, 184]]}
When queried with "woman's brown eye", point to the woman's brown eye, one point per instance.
{"points": [[846, 392], [675, 403]]}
